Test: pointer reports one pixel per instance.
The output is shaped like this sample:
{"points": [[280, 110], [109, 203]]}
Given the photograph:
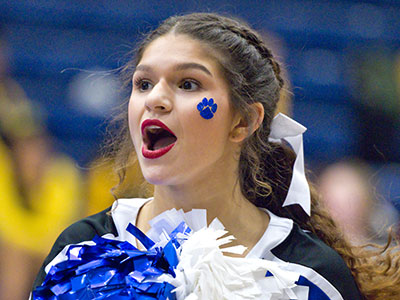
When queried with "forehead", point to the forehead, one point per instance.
{"points": [[175, 48]]}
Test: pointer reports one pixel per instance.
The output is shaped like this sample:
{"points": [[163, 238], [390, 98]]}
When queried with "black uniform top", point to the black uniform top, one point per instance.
{"points": [[323, 271]]}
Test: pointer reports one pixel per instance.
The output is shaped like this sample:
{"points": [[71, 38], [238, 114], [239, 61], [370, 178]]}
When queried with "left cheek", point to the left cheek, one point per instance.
{"points": [[206, 132], [207, 112]]}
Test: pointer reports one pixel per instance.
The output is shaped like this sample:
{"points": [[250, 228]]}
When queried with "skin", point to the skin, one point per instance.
{"points": [[201, 170]]}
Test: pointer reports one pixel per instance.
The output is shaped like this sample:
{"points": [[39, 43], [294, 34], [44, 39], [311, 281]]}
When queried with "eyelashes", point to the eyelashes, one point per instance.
{"points": [[141, 84], [187, 84]]}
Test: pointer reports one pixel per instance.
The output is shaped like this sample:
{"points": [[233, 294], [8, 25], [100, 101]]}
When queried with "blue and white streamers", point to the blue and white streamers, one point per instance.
{"points": [[178, 263]]}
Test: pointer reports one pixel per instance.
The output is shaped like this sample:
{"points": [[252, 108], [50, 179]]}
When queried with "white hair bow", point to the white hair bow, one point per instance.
{"points": [[285, 128]]}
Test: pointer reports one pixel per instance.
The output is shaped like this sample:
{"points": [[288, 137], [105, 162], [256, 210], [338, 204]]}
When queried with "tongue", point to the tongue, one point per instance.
{"points": [[164, 142]]}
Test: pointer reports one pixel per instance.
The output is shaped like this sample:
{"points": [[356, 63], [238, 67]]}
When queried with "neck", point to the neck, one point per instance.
{"points": [[222, 198], [215, 188], [206, 195]]}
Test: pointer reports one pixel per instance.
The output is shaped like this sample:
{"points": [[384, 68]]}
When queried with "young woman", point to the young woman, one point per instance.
{"points": [[200, 120]]}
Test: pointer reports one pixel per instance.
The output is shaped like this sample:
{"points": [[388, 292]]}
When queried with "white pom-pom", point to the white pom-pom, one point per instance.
{"points": [[205, 273]]}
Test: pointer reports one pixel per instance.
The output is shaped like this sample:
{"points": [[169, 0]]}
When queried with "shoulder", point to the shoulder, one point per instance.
{"points": [[321, 265], [83, 230]]}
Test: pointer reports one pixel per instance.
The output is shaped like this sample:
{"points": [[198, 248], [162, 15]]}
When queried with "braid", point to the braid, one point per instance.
{"points": [[265, 52], [256, 41]]}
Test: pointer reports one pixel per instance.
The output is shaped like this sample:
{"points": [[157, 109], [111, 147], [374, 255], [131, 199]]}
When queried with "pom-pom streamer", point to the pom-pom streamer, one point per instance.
{"points": [[178, 263]]}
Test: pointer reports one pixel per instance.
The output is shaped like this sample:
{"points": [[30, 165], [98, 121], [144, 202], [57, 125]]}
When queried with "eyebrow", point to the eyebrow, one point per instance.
{"points": [[197, 66], [179, 67]]}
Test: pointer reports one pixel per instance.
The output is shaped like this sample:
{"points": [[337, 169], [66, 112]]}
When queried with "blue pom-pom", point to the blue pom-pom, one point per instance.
{"points": [[113, 269]]}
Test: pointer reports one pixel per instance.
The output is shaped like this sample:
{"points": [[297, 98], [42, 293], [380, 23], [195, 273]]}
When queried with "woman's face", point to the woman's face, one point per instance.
{"points": [[174, 143]]}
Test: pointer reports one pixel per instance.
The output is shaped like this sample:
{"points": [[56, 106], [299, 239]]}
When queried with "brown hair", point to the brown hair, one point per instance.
{"points": [[265, 168]]}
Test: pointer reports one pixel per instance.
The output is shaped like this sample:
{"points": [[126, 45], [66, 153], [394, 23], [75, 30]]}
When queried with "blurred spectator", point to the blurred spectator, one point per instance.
{"points": [[377, 91], [349, 194], [40, 189]]}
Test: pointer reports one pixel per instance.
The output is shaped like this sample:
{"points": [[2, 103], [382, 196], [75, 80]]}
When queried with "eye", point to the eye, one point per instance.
{"points": [[142, 84], [189, 85]]}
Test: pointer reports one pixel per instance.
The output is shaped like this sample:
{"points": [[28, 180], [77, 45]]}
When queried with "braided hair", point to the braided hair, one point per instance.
{"points": [[265, 169]]}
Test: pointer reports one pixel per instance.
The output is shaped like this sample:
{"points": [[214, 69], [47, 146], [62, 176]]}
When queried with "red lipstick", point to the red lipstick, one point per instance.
{"points": [[155, 132]]}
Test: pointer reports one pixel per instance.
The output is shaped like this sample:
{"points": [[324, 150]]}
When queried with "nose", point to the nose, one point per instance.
{"points": [[159, 99]]}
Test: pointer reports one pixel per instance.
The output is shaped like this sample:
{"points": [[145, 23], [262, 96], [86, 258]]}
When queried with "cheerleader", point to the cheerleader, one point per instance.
{"points": [[200, 121]]}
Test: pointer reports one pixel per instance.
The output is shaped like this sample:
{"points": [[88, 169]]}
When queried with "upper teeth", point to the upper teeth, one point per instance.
{"points": [[153, 128]]}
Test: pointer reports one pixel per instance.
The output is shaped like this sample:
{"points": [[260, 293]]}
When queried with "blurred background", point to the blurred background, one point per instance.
{"points": [[58, 87]]}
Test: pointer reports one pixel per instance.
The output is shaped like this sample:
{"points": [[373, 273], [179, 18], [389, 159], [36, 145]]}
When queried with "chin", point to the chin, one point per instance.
{"points": [[164, 179], [156, 178], [154, 181]]}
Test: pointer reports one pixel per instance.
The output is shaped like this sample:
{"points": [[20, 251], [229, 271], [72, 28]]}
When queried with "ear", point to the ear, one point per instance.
{"points": [[243, 128]]}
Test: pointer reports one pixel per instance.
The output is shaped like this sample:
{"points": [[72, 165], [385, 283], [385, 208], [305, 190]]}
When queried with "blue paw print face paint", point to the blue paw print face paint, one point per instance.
{"points": [[207, 108]]}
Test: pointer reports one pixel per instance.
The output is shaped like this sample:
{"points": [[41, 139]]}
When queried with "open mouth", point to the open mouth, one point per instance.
{"points": [[158, 139]]}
